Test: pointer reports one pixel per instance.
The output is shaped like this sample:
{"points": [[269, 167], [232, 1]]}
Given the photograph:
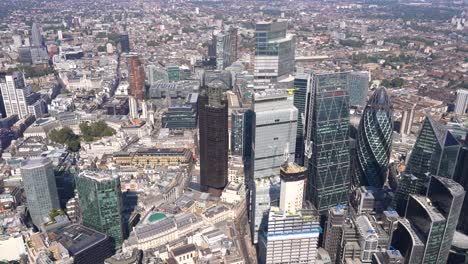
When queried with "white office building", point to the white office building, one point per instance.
{"points": [[273, 143]]}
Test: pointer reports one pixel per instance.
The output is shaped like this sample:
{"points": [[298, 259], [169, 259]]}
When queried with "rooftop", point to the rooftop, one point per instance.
{"points": [[76, 238], [35, 163]]}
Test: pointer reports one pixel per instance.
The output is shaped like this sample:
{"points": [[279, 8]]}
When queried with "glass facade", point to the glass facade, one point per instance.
{"points": [[237, 132], [435, 151], [328, 140], [274, 50], [101, 204], [358, 88], [447, 196], [40, 188], [301, 95], [374, 141]]}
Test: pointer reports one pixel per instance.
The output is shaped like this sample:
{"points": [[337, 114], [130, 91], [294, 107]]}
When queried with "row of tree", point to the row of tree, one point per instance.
{"points": [[89, 132]]}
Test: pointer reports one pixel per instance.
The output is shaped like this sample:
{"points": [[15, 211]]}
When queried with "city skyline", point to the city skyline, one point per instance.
{"points": [[234, 132]]}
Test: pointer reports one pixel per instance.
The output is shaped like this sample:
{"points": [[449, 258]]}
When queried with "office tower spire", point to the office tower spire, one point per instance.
{"points": [[213, 130], [40, 188], [273, 139], [328, 140], [374, 140], [435, 151]]}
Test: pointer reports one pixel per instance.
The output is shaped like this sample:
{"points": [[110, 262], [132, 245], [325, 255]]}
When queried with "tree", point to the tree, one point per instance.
{"points": [[92, 131]]}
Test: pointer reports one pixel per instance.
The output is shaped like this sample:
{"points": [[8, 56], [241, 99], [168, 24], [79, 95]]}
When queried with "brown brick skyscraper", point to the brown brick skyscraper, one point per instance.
{"points": [[137, 77]]}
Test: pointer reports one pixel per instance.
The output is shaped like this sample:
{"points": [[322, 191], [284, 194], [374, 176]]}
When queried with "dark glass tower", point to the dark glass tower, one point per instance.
{"points": [[462, 179], [406, 240], [434, 219], [435, 152], [213, 130], [374, 141], [124, 42], [100, 199], [328, 141], [447, 196], [301, 96]]}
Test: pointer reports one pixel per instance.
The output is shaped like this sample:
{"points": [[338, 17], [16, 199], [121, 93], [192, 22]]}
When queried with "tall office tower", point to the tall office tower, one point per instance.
{"points": [[374, 141], [274, 53], [460, 178], [406, 240], [233, 35], [100, 200], [292, 187], [124, 42], [137, 77], [447, 196], [461, 104], [237, 132], [15, 94], [274, 127], [301, 98], [213, 131], [334, 232], [435, 151], [247, 151], [225, 48], [36, 35], [358, 88], [133, 107], [429, 224], [40, 188], [327, 138], [407, 121], [290, 238]]}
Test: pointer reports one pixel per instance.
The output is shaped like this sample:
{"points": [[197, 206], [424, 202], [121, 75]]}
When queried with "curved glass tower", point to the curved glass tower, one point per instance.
{"points": [[374, 141]]}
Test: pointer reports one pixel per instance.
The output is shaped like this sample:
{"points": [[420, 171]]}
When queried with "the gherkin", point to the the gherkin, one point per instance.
{"points": [[374, 141]]}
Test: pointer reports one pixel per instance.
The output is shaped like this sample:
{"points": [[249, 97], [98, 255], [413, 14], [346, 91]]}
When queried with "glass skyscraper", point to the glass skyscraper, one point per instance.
{"points": [[435, 152], [40, 188], [100, 199], [237, 132], [301, 97], [374, 141], [358, 88], [433, 219], [274, 52], [327, 140]]}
